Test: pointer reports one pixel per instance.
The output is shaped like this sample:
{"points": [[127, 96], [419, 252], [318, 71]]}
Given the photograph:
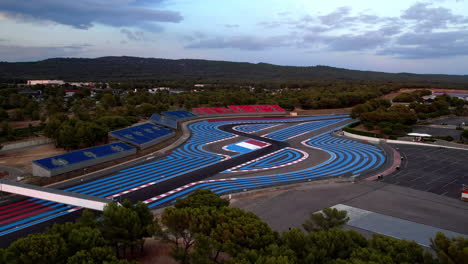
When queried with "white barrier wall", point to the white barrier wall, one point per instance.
{"points": [[369, 139], [29, 143], [391, 141], [54, 195]]}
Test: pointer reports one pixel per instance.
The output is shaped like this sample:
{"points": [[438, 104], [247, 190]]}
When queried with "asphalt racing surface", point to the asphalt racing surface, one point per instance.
{"points": [[271, 151]]}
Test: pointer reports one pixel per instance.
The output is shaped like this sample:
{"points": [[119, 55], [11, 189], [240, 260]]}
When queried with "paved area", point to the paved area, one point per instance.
{"points": [[315, 156], [218, 146], [288, 207], [438, 131], [393, 226], [438, 170], [451, 120]]}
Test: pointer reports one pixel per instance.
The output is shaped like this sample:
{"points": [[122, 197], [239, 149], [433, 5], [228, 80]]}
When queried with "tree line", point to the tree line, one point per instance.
{"points": [[394, 119], [119, 69]]}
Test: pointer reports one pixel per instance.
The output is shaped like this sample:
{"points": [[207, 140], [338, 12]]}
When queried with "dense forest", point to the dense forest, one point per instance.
{"points": [[204, 229], [134, 68]]}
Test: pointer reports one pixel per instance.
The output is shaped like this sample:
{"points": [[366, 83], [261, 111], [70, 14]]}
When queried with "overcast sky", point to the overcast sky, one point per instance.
{"points": [[391, 36]]}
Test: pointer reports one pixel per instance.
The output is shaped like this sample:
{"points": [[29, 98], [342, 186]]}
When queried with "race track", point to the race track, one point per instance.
{"points": [[224, 155]]}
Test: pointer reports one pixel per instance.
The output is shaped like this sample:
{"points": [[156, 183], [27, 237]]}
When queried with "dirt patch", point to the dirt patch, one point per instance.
{"points": [[23, 124], [361, 127], [450, 91], [392, 95], [156, 252], [24, 139], [22, 158]]}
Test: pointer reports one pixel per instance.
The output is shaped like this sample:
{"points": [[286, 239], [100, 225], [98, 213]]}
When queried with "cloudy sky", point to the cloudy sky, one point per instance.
{"points": [[392, 36]]}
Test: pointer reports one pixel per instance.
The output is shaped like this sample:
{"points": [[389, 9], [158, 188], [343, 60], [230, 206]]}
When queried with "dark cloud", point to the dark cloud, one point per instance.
{"points": [[338, 17], [271, 24], [134, 35], [250, 43], [84, 14], [25, 53], [349, 42], [424, 30], [433, 45], [389, 30], [317, 29], [425, 52], [427, 18]]}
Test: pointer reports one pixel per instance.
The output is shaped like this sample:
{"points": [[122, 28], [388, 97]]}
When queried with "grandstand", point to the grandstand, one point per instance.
{"points": [[143, 135], [179, 115], [240, 109], [164, 121], [212, 110], [248, 109], [75, 160]]}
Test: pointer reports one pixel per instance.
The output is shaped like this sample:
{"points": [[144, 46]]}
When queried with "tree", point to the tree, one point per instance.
{"points": [[450, 250], [359, 109], [328, 218], [405, 97], [145, 217], [400, 251], [67, 136], [126, 225], [52, 128], [18, 114], [146, 109], [113, 122], [465, 134], [3, 114], [7, 131], [93, 255], [89, 133], [118, 225], [108, 101], [179, 230], [88, 219], [200, 198], [205, 220], [273, 254], [233, 229], [85, 238], [37, 249], [332, 244], [322, 246]]}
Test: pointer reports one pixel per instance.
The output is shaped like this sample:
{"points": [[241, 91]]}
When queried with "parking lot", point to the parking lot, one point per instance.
{"points": [[432, 169], [452, 120], [438, 132]]}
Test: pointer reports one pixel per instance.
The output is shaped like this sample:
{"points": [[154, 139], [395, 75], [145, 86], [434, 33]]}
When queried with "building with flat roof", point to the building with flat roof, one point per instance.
{"points": [[46, 82]]}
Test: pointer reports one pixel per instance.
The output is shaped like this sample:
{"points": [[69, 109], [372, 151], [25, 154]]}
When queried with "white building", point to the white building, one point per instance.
{"points": [[46, 82], [155, 90], [70, 93], [81, 84]]}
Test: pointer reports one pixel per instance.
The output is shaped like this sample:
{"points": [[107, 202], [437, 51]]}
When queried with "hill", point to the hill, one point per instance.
{"points": [[134, 68]]}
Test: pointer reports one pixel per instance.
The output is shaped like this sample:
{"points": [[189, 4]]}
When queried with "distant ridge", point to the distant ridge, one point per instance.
{"points": [[135, 68]]}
